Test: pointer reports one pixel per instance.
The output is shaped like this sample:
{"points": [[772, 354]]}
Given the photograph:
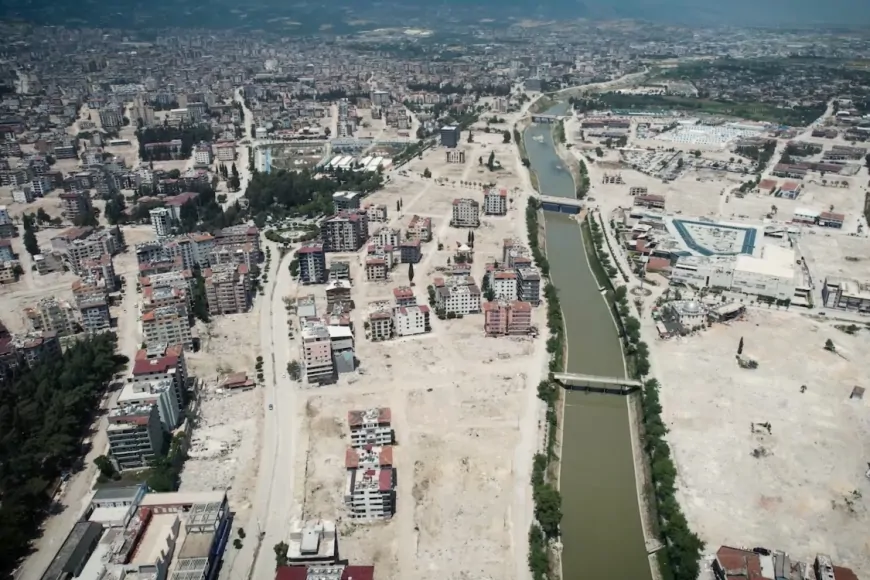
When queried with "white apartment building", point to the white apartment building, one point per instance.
{"points": [[386, 236], [411, 320], [317, 354], [202, 155], [459, 295], [503, 284], [370, 493], [420, 228], [161, 221], [370, 427], [370, 482], [377, 212], [466, 213], [225, 151], [495, 202], [164, 326], [159, 393]]}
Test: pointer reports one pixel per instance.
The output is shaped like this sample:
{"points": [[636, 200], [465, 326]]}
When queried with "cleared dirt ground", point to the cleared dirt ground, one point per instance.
{"points": [[806, 491]]}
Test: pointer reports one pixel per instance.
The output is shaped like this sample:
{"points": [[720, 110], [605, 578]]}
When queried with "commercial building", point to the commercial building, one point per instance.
{"points": [[829, 219], [420, 228], [227, 289], [457, 294], [52, 315], [75, 552], [845, 294], [345, 232], [450, 136], [650, 201], [503, 317], [370, 427], [161, 221], [370, 483], [346, 200], [312, 263], [771, 275], [164, 325], [411, 320], [317, 354], [135, 436], [495, 201], [312, 543], [466, 213]]}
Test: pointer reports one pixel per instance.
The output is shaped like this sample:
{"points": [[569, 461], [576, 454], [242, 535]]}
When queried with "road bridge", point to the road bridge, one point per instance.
{"points": [[560, 204], [596, 384]]}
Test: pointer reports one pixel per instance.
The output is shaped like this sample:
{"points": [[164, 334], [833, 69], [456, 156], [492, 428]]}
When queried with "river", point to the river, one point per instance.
{"points": [[601, 527]]}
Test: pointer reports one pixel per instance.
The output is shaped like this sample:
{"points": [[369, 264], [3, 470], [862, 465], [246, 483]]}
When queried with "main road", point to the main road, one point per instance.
{"points": [[273, 505]]}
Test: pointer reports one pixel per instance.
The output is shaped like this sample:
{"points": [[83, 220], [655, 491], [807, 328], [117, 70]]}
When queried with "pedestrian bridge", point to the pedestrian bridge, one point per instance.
{"points": [[560, 204], [596, 384]]}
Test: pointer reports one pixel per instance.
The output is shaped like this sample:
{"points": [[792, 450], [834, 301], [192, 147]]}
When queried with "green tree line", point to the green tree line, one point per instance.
{"points": [[44, 415]]}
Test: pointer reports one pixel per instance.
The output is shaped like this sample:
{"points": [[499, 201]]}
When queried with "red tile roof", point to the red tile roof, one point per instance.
{"points": [[385, 480], [353, 573], [154, 365], [291, 573]]}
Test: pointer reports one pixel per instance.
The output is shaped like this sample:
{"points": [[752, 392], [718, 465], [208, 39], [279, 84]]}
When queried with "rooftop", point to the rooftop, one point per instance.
{"points": [[379, 415]]}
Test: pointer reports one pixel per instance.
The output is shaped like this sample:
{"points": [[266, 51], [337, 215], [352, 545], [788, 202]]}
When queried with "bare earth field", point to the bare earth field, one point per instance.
{"points": [[464, 406], [806, 492]]}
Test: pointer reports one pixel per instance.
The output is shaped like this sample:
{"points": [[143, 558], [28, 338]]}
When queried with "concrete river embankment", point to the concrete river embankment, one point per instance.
{"points": [[601, 527]]}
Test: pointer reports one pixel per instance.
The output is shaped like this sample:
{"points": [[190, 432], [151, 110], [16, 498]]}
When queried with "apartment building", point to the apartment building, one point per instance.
{"points": [[135, 435], [370, 427], [495, 201], [312, 263], [346, 200], [317, 354], [529, 285], [411, 320], [380, 325], [174, 297], [370, 483], [410, 252], [225, 151], [161, 221], [202, 156], [165, 326], [160, 364], [404, 296], [345, 232], [466, 213], [93, 310], [75, 204], [338, 293], [376, 269], [503, 317], [227, 289], [503, 283], [35, 346], [52, 315], [458, 295], [377, 212], [240, 234], [420, 228], [102, 271], [76, 245], [387, 236]]}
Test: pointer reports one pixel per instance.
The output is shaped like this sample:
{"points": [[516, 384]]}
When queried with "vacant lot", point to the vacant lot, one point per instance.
{"points": [[798, 485]]}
